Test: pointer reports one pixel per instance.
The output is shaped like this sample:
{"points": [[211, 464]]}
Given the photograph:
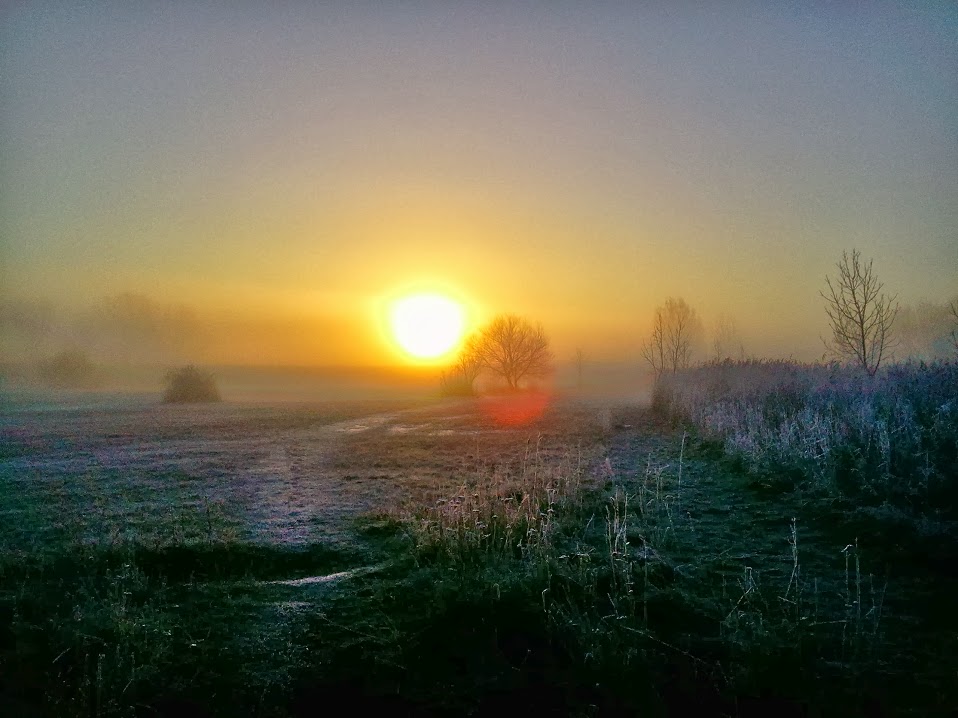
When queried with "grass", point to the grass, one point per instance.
{"points": [[889, 439], [591, 562]]}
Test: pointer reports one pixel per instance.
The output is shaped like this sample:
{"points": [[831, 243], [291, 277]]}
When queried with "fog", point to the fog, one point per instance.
{"points": [[131, 341], [249, 189], [132, 328]]}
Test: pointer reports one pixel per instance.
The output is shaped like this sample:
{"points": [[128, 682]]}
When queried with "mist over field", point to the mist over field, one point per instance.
{"points": [[478, 359], [131, 341], [256, 190]]}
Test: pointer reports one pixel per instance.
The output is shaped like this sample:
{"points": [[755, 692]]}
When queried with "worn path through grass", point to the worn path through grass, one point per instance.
{"points": [[261, 559]]}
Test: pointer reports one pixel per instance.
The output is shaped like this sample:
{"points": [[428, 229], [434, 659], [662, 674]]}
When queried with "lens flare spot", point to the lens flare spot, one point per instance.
{"points": [[517, 408]]}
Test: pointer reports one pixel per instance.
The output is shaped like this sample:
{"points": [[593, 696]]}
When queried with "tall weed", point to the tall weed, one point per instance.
{"points": [[888, 438]]}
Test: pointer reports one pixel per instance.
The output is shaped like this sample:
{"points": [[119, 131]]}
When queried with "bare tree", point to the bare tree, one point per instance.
{"points": [[860, 314], [469, 362], [654, 349], [460, 378], [726, 344], [514, 349], [924, 331], [674, 328], [579, 366], [69, 369], [954, 332]]}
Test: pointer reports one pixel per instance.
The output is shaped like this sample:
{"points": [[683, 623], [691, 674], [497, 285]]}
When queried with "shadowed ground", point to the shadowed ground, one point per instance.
{"points": [[171, 556]]}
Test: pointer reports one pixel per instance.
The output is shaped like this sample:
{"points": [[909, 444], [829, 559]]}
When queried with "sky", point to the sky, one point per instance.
{"points": [[259, 182]]}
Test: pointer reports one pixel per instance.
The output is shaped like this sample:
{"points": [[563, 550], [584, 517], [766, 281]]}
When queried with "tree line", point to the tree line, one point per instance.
{"points": [[861, 324], [861, 331]]}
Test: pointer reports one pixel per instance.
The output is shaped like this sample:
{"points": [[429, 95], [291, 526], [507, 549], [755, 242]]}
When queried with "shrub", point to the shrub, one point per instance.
{"points": [[70, 369], [190, 384], [889, 437], [454, 383]]}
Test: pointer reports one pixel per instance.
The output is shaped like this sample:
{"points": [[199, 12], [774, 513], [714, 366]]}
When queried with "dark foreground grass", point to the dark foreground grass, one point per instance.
{"points": [[624, 577]]}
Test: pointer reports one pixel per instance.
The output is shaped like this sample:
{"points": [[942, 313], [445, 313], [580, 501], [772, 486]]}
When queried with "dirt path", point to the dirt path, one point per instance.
{"points": [[297, 474], [292, 475], [293, 494]]}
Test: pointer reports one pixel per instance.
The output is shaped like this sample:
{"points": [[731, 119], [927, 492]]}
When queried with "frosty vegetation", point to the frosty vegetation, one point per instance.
{"points": [[891, 437]]}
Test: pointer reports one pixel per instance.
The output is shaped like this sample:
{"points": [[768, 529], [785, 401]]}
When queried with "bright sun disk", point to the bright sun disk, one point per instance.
{"points": [[427, 326]]}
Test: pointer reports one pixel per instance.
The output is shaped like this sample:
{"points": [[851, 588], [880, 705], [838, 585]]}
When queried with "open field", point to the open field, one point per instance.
{"points": [[474, 557]]}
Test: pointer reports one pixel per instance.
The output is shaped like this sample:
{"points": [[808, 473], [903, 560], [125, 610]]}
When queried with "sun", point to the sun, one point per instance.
{"points": [[427, 326]]}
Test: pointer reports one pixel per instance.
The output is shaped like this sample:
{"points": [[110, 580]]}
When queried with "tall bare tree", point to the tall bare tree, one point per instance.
{"points": [[860, 314], [675, 326], [726, 343], [954, 332], [514, 349], [460, 378], [924, 331], [579, 366]]}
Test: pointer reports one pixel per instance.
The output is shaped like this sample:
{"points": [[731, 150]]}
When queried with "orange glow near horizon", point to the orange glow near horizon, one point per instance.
{"points": [[576, 168]]}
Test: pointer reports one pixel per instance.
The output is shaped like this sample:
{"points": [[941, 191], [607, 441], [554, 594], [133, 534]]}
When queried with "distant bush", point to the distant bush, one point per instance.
{"points": [[454, 383], [190, 384], [891, 438], [70, 369]]}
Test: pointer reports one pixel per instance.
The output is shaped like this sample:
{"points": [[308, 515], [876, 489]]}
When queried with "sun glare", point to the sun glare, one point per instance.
{"points": [[427, 326]]}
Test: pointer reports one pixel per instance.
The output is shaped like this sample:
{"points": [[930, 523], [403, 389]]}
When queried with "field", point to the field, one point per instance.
{"points": [[469, 557]]}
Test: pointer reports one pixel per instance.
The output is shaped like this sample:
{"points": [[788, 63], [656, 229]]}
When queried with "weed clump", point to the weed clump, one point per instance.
{"points": [[889, 438], [190, 385]]}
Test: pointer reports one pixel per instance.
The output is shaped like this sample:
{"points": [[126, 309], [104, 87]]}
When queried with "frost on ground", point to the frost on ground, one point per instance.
{"points": [[266, 470], [291, 475]]}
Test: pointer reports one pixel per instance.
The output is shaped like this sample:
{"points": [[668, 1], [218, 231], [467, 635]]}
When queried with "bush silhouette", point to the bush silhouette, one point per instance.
{"points": [[70, 369], [453, 383], [190, 384]]}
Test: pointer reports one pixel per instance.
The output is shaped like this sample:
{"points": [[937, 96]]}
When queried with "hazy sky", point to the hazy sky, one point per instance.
{"points": [[281, 172]]}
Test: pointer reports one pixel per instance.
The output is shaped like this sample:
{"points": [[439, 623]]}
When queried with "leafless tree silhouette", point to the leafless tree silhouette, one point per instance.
{"points": [[514, 349], [579, 367], [69, 369], [860, 314], [954, 332], [460, 378], [674, 328], [726, 343], [924, 330]]}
